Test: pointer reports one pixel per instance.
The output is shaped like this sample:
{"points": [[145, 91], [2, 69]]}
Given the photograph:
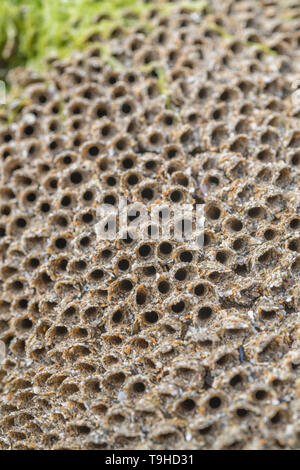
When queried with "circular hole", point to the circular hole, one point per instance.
{"points": [[101, 112], [241, 269], [76, 110], [294, 245], [112, 79], [53, 126], [34, 263], [97, 274], [192, 117], [238, 244], [69, 312], [63, 265], [264, 156], [202, 93], [155, 138], [178, 307], [176, 196], [295, 224], [60, 243], [94, 151], [17, 285], [172, 153], [66, 201], [269, 234], [242, 412], [144, 250], [123, 264], [23, 303], [204, 313], [221, 257], [62, 221], [106, 130], [236, 225], [151, 317], [26, 324], [214, 213], [183, 180], [76, 177], [53, 145], [26, 181], [31, 197], [111, 181], [131, 78], [106, 254], [186, 257], [188, 405], [260, 395], [88, 196], [126, 285], [126, 108], [139, 387], [165, 248], [45, 207], [110, 199], [7, 138], [121, 144], [132, 180], [150, 165], [5, 211], [163, 287], [217, 114], [214, 276], [28, 130], [276, 382], [168, 120], [180, 275], [149, 271], [200, 290], [87, 218], [296, 159], [21, 223], [117, 316], [147, 193], [254, 212], [127, 163], [80, 265], [215, 402], [213, 181], [61, 330]]}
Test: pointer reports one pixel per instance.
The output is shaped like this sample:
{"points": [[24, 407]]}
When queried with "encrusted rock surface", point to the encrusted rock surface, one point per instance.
{"points": [[111, 345]]}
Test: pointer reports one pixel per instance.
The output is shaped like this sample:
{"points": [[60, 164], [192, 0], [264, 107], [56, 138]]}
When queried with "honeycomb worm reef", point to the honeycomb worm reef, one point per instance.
{"points": [[127, 345]]}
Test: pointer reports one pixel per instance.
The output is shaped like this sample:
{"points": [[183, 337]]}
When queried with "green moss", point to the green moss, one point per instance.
{"points": [[31, 30]]}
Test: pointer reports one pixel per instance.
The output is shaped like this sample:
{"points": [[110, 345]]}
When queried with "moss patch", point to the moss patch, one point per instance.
{"points": [[32, 30]]}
